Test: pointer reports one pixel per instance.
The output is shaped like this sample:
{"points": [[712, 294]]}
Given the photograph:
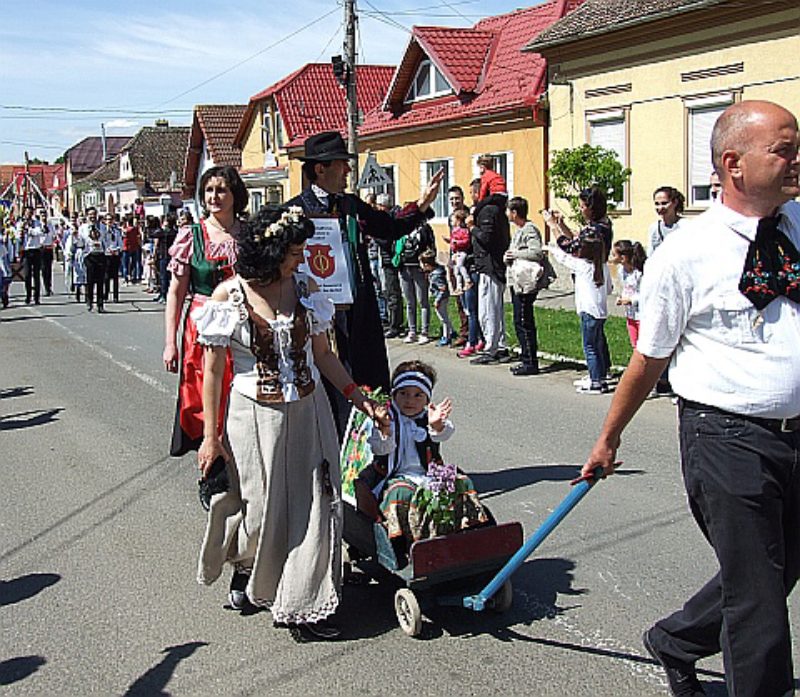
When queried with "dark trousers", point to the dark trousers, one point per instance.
{"points": [[463, 320], [47, 270], [394, 297], [32, 260], [525, 327], [112, 277], [164, 276], [95, 277], [743, 484]]}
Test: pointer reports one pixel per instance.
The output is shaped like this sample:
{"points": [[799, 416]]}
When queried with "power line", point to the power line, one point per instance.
{"points": [[249, 58], [330, 41], [99, 110], [32, 145]]}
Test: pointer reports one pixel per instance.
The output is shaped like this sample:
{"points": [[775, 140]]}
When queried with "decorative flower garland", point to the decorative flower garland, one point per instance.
{"points": [[292, 216]]}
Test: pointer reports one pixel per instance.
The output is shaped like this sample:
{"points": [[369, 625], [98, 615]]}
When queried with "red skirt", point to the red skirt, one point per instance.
{"points": [[187, 432]]}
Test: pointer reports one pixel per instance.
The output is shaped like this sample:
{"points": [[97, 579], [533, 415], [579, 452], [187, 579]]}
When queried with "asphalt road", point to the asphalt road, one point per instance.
{"points": [[100, 529]]}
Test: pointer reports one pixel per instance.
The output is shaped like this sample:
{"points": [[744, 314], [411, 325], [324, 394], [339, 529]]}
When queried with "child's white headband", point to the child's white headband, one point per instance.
{"points": [[413, 378]]}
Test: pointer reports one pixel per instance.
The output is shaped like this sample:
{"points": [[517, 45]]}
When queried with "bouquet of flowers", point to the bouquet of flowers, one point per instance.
{"points": [[433, 507]]}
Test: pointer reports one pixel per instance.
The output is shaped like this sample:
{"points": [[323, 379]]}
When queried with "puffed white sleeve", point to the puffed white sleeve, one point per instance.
{"points": [[216, 322], [321, 310]]}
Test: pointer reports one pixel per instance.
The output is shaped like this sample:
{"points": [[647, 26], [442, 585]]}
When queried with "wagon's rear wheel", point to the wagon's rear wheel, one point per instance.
{"points": [[408, 613], [501, 602]]}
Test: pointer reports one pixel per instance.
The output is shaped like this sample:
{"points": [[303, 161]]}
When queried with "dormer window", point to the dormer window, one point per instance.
{"points": [[428, 82]]}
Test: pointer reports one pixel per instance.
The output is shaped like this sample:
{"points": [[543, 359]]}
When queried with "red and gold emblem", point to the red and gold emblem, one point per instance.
{"points": [[321, 261]]}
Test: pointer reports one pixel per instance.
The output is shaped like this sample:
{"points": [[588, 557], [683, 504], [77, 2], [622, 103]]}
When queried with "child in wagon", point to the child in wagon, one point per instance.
{"points": [[403, 446]]}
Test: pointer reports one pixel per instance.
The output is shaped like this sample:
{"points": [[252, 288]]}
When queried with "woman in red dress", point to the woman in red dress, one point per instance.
{"points": [[201, 257]]}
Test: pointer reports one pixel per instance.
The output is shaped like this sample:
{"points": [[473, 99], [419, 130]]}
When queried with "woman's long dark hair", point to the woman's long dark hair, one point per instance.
{"points": [[595, 200], [262, 250], [592, 249]]}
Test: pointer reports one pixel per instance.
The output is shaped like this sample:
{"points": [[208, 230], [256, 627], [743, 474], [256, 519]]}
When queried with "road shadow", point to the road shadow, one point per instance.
{"points": [[560, 367], [537, 586], [28, 419], [153, 683], [489, 484], [11, 392], [15, 669], [32, 318], [25, 587]]}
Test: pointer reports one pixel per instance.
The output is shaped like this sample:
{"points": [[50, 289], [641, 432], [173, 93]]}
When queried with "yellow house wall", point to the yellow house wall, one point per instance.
{"points": [[461, 143], [657, 118]]}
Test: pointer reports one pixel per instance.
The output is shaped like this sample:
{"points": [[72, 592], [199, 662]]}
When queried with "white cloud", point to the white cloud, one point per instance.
{"points": [[121, 123]]}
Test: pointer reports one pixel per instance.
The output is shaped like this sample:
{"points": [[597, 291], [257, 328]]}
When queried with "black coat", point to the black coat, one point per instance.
{"points": [[359, 335], [491, 236]]}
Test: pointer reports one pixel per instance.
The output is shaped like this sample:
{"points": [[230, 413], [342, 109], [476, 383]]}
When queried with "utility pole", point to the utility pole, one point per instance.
{"points": [[352, 101]]}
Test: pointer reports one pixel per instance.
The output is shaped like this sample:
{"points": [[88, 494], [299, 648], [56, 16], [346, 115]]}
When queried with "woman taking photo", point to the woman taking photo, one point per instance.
{"points": [[279, 522], [202, 256]]}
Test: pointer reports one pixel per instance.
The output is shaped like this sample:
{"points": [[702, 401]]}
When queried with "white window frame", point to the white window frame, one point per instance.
{"points": [[610, 116], [266, 128], [430, 66], [256, 196], [509, 175], [447, 182], [280, 132], [698, 145]]}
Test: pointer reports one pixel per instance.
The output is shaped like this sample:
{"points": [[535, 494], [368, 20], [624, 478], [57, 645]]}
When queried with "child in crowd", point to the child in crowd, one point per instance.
{"points": [[440, 292], [491, 182], [459, 246], [405, 440], [150, 274], [631, 257], [592, 286]]}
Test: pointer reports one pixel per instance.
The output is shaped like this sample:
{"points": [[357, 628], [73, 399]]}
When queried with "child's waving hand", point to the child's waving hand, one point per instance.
{"points": [[438, 413]]}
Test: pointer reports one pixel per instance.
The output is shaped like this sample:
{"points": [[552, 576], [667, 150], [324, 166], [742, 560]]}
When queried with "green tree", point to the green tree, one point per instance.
{"points": [[575, 169]]}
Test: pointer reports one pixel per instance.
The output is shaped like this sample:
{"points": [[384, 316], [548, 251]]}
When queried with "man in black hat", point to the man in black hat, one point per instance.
{"points": [[359, 335]]}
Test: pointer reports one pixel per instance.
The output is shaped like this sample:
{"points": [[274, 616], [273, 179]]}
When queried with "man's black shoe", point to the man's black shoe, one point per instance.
{"points": [[523, 369], [682, 680], [485, 359], [391, 334]]}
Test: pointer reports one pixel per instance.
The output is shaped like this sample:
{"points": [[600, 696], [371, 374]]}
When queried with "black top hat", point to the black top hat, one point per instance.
{"points": [[326, 147]]}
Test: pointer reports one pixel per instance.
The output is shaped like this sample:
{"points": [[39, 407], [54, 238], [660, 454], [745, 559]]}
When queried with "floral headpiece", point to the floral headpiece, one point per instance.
{"points": [[291, 216]]}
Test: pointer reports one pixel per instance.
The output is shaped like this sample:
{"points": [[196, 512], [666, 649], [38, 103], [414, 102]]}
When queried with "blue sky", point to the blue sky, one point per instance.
{"points": [[112, 60]]}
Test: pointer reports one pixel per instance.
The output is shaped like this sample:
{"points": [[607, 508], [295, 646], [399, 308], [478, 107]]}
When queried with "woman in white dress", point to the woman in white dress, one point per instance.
{"points": [[279, 522]]}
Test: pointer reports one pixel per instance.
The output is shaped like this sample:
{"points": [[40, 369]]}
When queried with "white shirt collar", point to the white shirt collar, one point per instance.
{"points": [[320, 193]]}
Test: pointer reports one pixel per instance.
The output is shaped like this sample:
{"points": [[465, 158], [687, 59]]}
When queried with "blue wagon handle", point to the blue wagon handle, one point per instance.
{"points": [[580, 487]]}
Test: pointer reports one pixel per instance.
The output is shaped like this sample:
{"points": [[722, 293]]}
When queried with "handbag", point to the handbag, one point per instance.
{"points": [[548, 273], [215, 482], [524, 276]]}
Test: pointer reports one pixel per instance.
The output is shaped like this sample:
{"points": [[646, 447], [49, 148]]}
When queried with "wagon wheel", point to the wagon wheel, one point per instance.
{"points": [[408, 613], [501, 602]]}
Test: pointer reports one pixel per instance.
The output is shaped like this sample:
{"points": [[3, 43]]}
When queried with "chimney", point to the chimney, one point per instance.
{"points": [[162, 123]]}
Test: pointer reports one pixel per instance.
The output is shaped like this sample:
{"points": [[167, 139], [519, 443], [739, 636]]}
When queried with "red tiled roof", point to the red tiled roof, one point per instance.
{"points": [[483, 64], [310, 100], [219, 124], [49, 177], [216, 124]]}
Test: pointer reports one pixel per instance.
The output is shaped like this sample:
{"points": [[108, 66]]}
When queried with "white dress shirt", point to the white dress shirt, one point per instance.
{"points": [[727, 354]]}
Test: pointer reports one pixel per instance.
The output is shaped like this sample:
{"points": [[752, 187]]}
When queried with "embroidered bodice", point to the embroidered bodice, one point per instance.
{"points": [[272, 358]]}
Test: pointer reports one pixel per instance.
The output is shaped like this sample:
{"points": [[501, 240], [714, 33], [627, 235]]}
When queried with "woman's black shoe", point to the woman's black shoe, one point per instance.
{"points": [[236, 594], [323, 630]]}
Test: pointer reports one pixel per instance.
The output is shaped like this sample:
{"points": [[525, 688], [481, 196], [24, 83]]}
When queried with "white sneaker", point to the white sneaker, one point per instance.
{"points": [[585, 381], [410, 339], [423, 339]]}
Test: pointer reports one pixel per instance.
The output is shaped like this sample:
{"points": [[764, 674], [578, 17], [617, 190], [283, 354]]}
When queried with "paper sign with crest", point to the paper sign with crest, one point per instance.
{"points": [[326, 262]]}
